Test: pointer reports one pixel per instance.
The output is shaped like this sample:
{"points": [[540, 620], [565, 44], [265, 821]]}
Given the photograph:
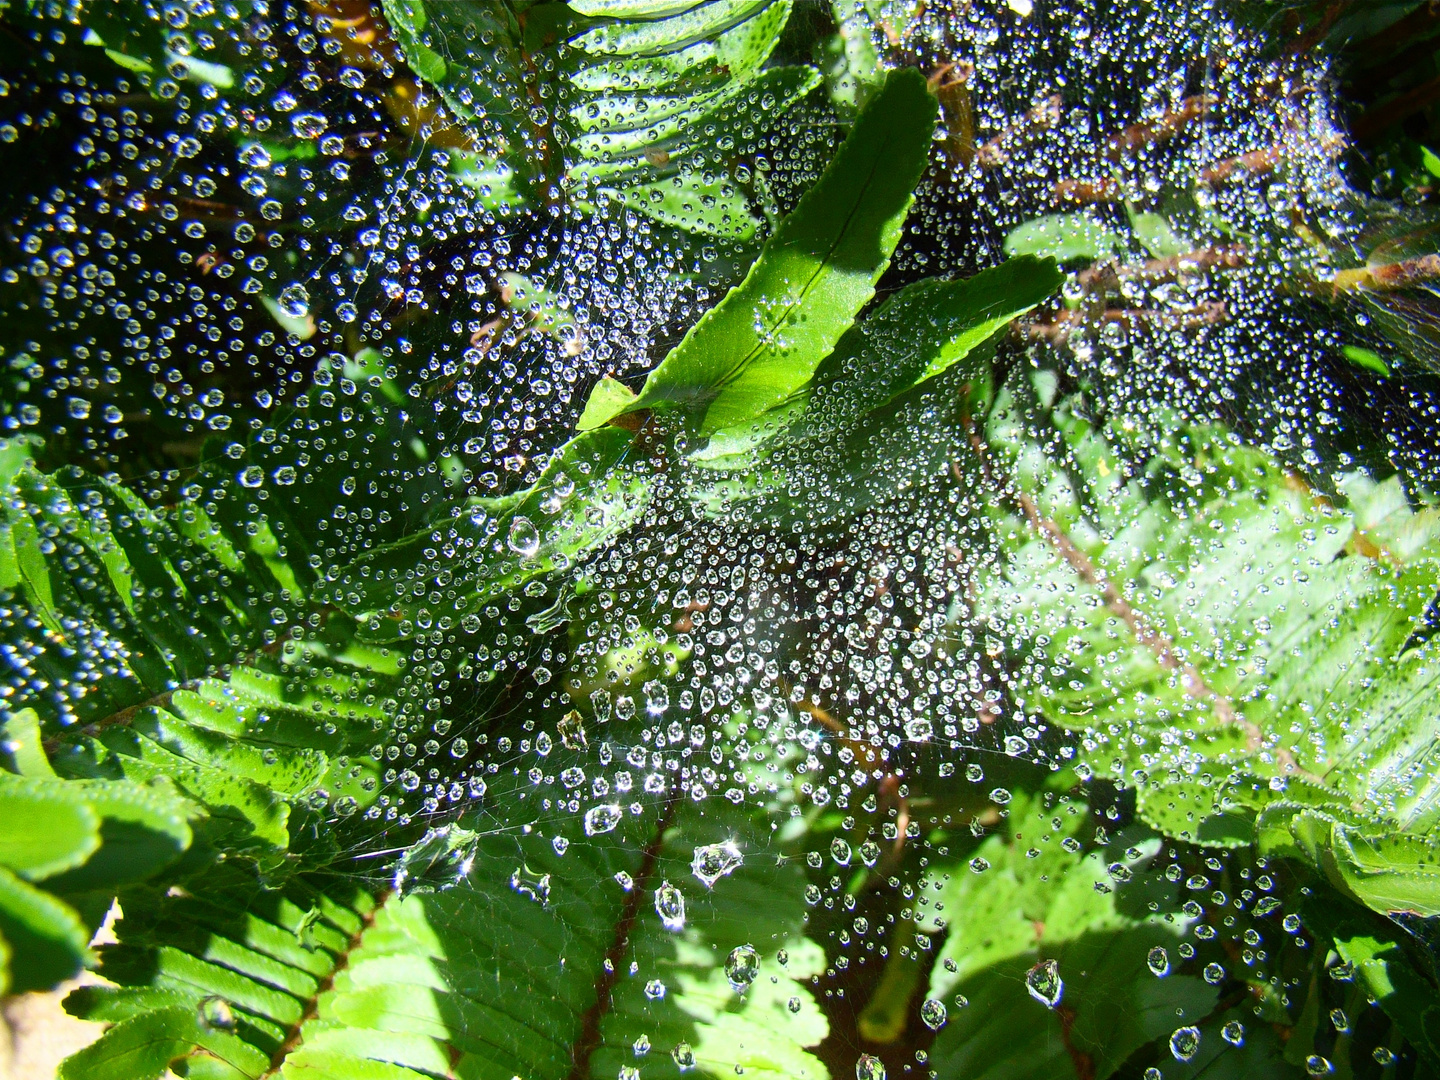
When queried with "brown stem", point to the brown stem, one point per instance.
{"points": [[1083, 1063], [1107, 275], [1257, 162], [1067, 321], [294, 1036], [122, 717], [1387, 278], [1161, 129], [119, 718], [1316, 34], [951, 85], [590, 1036], [1086, 191], [1042, 117]]}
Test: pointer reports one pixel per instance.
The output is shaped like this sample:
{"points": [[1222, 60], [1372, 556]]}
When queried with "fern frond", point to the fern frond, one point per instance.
{"points": [[655, 104], [535, 951], [1222, 637]]}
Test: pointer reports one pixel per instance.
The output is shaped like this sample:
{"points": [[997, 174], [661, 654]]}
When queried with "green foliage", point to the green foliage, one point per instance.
{"points": [[1040, 897], [67, 848], [762, 342], [635, 101], [1256, 662], [587, 495], [879, 415], [508, 960], [204, 694], [1064, 237]]}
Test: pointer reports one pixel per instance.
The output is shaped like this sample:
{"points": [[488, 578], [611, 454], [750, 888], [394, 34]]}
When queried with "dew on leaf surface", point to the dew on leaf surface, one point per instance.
{"points": [[371, 527]]}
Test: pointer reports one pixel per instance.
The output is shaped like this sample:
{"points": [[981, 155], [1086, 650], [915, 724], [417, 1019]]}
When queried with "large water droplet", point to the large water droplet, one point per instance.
{"points": [[308, 125], [524, 538], [714, 861], [670, 906], [684, 1055], [529, 883], [1185, 1043], [214, 1012], [601, 819], [869, 1067], [439, 860], [933, 1014], [741, 967], [294, 301], [571, 729], [1158, 961], [1044, 983]]}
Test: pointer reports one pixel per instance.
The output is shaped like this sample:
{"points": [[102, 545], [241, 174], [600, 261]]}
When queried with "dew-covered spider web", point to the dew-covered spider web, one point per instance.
{"points": [[1032, 703]]}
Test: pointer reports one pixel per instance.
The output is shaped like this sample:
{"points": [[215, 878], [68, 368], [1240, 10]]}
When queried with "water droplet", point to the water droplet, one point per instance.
{"points": [[529, 883], [600, 703], [741, 967], [1233, 1033], [524, 538], [670, 906], [308, 125], [714, 861], [794, 1004], [933, 1013], [1044, 983], [1315, 1065], [657, 697], [1158, 960], [602, 819], [294, 301], [918, 729], [1185, 1043], [654, 989], [641, 1046], [439, 860], [215, 1013], [840, 852], [684, 1056], [571, 729], [869, 1067]]}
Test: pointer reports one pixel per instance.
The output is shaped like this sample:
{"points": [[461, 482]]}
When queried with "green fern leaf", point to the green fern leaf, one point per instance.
{"points": [[636, 101], [1192, 586], [198, 692], [1044, 897], [765, 340], [512, 959]]}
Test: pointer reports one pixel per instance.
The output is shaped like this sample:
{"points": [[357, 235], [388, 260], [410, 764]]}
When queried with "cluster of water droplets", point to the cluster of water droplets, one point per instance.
{"points": [[270, 291]]}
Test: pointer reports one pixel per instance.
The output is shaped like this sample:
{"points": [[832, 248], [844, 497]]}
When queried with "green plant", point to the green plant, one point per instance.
{"points": [[853, 687]]}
